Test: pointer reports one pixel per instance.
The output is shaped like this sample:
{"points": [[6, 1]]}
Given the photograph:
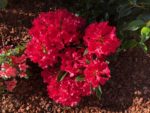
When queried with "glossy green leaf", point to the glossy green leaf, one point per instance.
{"points": [[1, 60], [145, 34], [129, 44], [3, 3], [144, 16], [124, 10], [145, 31], [87, 61], [28, 73], [85, 52], [79, 78], [144, 1], [143, 46], [135, 25], [61, 75], [148, 24], [133, 1], [98, 91]]}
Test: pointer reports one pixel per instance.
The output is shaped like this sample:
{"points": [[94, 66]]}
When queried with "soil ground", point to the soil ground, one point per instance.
{"points": [[127, 91]]}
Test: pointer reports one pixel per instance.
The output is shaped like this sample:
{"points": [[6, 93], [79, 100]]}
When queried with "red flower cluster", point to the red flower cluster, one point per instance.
{"points": [[72, 65], [17, 67], [68, 92], [51, 32], [12, 66]]}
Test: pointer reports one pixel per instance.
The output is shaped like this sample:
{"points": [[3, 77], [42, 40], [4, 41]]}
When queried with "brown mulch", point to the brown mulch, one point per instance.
{"points": [[127, 91]]}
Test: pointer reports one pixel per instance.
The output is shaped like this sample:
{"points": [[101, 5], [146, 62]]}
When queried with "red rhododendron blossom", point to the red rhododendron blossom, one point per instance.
{"points": [[18, 67], [65, 92], [97, 73], [41, 55], [23, 67], [10, 85], [18, 60], [22, 75], [2, 74], [11, 72], [51, 32], [85, 88], [12, 65], [101, 39], [4, 66], [8, 71], [72, 61], [47, 74], [68, 92]]}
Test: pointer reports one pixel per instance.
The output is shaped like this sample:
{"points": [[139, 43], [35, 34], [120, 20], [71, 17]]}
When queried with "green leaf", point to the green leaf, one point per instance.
{"points": [[135, 25], [79, 78], [133, 1], [3, 3], [145, 34], [98, 91], [124, 10], [145, 31], [61, 75], [8, 53], [87, 61], [144, 1], [2, 55], [1, 60], [28, 72], [148, 24], [129, 44], [144, 16], [143, 46], [85, 52]]}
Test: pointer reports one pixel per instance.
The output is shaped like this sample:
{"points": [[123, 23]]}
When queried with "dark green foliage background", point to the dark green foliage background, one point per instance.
{"points": [[120, 13], [129, 16]]}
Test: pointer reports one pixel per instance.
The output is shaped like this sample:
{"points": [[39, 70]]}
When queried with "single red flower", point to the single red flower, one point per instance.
{"points": [[22, 75], [23, 67], [68, 92], [72, 61], [65, 92], [97, 73], [101, 39], [18, 60], [10, 85], [11, 72]]}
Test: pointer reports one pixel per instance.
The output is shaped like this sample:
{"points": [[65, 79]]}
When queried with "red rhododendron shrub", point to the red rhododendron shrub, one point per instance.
{"points": [[72, 56], [12, 70], [12, 65]]}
